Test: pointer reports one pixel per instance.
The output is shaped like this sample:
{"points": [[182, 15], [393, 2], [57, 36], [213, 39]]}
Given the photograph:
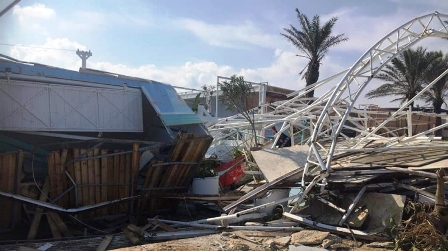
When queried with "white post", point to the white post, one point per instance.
{"points": [[409, 117], [217, 94]]}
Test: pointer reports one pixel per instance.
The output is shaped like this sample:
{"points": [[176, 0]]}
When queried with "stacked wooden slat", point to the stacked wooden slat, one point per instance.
{"points": [[9, 182], [98, 179], [174, 175]]}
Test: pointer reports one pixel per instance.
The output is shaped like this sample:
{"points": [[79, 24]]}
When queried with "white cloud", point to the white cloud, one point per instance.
{"points": [[57, 56], [33, 12], [282, 72], [364, 31], [34, 19], [230, 35]]}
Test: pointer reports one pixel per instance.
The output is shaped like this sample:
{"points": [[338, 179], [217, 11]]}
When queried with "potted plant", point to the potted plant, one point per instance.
{"points": [[206, 180]]}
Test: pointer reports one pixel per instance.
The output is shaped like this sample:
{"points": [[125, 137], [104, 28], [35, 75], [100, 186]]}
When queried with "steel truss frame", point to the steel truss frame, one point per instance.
{"points": [[333, 113]]}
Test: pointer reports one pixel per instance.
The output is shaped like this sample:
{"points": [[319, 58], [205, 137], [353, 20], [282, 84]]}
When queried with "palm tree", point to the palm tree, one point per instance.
{"points": [[314, 41], [404, 76], [439, 91]]}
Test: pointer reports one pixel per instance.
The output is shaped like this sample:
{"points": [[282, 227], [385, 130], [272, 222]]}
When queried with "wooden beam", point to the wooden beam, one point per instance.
{"points": [[163, 226], [97, 177], [60, 224], [135, 163], [54, 228], [39, 211], [84, 180], [104, 173], [104, 243], [91, 180], [116, 189], [18, 177], [78, 177], [63, 178]]}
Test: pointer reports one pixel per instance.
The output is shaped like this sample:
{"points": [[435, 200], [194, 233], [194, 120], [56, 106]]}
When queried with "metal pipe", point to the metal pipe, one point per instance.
{"points": [[83, 154], [63, 210], [352, 206]]}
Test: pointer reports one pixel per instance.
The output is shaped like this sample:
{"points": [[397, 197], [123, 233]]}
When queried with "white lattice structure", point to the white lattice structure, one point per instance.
{"points": [[327, 119]]}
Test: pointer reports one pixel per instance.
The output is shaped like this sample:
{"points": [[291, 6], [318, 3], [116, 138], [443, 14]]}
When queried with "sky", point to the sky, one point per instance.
{"points": [[190, 43]]}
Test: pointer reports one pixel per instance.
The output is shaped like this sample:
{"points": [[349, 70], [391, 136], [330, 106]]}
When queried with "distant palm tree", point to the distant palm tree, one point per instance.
{"points": [[439, 91], [404, 76], [314, 41]]}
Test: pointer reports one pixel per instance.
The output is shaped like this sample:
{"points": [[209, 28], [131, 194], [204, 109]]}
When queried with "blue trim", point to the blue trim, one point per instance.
{"points": [[59, 73], [9, 144]]}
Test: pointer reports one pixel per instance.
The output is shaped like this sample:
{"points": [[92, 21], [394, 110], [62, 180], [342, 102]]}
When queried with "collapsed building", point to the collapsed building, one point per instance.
{"points": [[94, 143], [348, 171]]}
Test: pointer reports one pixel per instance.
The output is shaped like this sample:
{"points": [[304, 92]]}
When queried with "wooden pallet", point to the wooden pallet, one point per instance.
{"points": [[97, 179]]}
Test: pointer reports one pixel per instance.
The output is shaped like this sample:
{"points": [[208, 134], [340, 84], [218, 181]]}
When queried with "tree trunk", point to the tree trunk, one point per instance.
{"points": [[441, 210], [312, 75], [438, 110]]}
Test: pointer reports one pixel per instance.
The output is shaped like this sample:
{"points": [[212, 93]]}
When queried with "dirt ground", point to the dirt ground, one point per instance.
{"points": [[240, 241]]}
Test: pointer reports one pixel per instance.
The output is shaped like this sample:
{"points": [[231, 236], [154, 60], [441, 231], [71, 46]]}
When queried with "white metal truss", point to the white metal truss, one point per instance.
{"points": [[325, 123], [354, 82]]}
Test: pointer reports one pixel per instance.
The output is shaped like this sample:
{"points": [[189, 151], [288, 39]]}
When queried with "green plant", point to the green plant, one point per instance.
{"points": [[195, 105], [207, 167], [235, 95], [236, 152]]}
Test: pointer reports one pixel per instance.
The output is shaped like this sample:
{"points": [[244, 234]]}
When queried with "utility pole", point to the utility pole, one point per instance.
{"points": [[84, 55]]}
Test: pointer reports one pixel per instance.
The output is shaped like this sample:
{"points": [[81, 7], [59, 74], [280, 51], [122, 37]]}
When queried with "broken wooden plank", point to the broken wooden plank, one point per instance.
{"points": [[54, 228], [104, 243], [163, 226], [39, 211], [60, 224]]}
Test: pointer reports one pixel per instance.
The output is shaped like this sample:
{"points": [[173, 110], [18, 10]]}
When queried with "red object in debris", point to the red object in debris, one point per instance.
{"points": [[230, 172]]}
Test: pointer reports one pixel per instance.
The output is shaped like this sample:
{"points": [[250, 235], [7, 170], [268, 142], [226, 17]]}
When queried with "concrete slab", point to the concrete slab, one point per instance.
{"points": [[274, 163], [381, 208], [309, 237]]}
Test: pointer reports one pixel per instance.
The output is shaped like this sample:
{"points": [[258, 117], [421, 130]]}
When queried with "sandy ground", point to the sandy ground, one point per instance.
{"points": [[239, 241]]}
